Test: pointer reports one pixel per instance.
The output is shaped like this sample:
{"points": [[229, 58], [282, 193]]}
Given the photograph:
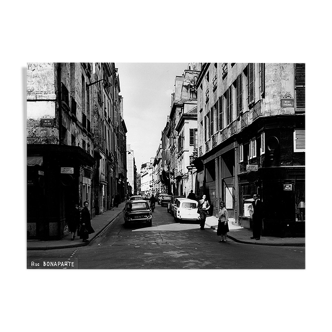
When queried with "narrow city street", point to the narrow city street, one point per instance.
{"points": [[171, 245]]}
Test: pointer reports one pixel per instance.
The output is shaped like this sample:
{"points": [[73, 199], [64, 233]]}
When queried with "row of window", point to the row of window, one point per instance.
{"points": [[231, 102], [298, 141]]}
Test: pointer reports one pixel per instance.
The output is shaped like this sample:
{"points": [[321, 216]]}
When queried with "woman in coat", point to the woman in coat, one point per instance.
{"points": [[222, 222], [203, 208], [86, 228]]}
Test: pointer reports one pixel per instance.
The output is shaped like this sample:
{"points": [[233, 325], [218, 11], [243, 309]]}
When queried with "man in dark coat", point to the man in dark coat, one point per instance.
{"points": [[192, 195], [86, 228], [256, 217]]}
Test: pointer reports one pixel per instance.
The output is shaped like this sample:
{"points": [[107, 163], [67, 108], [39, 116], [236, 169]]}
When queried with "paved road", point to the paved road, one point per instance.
{"points": [[170, 245]]}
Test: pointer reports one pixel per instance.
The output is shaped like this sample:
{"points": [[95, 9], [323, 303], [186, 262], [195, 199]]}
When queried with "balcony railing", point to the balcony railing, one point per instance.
{"points": [[257, 110], [244, 120]]}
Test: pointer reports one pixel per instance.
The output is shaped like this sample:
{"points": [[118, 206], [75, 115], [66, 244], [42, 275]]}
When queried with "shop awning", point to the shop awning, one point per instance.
{"points": [[35, 160]]}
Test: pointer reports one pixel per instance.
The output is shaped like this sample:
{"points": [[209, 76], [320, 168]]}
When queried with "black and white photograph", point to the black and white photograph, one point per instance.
{"points": [[127, 164]]}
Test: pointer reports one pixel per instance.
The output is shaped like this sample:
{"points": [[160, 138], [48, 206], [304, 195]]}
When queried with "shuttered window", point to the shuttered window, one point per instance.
{"points": [[262, 78], [299, 140], [239, 103], [211, 121], [300, 86], [229, 105], [262, 150], [251, 83], [241, 152], [221, 114]]}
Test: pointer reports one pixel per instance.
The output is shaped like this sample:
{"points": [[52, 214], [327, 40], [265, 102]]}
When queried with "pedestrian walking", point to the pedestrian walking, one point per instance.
{"points": [[86, 227], [222, 222], [191, 195], [203, 209], [74, 221], [256, 217]]}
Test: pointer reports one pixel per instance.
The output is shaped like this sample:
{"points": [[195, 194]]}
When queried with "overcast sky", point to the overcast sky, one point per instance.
{"points": [[146, 89]]}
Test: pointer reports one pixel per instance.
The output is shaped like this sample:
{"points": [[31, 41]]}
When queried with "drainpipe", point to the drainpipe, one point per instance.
{"points": [[59, 101]]}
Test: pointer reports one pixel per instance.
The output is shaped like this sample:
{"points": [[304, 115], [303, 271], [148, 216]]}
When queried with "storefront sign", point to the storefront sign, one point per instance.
{"points": [[46, 122], [251, 168], [40, 172], [288, 187], [287, 102], [67, 170]]}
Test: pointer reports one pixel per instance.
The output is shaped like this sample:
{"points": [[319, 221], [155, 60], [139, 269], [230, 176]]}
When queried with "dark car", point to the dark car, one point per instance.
{"points": [[137, 211], [165, 199]]}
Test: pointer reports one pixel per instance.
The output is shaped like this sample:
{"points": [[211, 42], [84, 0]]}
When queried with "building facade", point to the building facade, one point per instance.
{"points": [[71, 120], [251, 139], [179, 136], [131, 170]]}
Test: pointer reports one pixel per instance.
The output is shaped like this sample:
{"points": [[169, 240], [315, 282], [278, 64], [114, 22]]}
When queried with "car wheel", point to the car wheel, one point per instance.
{"points": [[176, 219], [150, 224]]}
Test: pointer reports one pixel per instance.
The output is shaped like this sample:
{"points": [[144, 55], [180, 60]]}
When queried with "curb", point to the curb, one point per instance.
{"points": [[269, 244], [264, 244], [76, 245]]}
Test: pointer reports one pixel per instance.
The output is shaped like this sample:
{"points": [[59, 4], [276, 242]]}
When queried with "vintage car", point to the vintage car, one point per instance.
{"points": [[159, 198], [137, 211], [185, 210], [135, 197], [165, 199], [171, 204]]}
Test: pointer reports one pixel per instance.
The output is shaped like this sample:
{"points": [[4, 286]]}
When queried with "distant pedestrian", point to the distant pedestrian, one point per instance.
{"points": [[192, 195], [203, 209], [74, 221], [86, 227], [222, 222], [117, 200], [256, 217]]}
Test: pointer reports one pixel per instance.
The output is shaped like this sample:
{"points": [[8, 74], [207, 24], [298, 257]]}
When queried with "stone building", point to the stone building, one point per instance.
{"points": [[251, 139], [180, 132], [71, 141]]}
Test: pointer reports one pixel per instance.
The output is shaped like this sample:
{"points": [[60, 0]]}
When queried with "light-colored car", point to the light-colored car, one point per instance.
{"points": [[135, 197], [171, 204], [185, 210], [165, 200], [137, 211]]}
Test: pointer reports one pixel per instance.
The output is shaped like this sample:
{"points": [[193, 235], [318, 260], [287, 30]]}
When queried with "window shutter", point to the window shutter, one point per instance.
{"points": [[263, 143], [300, 74], [251, 83], [262, 78], [299, 140], [239, 95], [300, 97], [221, 113], [241, 152]]}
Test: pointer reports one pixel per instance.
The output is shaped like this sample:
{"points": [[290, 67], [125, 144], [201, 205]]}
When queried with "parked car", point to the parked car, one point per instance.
{"points": [[137, 211], [186, 210], [160, 196], [171, 204], [165, 200], [135, 197]]}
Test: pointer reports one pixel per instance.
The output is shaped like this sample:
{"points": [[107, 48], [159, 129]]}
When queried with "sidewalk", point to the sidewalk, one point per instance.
{"points": [[243, 235], [99, 223]]}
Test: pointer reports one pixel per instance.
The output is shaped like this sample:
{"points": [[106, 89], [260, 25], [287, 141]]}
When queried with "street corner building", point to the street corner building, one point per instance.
{"points": [[251, 139], [76, 143]]}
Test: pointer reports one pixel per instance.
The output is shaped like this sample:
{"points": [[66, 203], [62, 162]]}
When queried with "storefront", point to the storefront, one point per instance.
{"points": [[282, 191], [56, 181]]}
